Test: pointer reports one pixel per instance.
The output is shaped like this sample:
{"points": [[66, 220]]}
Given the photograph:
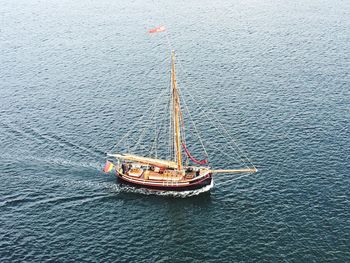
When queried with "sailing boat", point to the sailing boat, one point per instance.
{"points": [[172, 174]]}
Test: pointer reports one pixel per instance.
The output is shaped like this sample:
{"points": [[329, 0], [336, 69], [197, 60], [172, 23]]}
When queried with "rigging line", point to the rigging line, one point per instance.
{"points": [[136, 123], [240, 152], [133, 141], [224, 129], [171, 130], [152, 117], [162, 125], [195, 128], [168, 113], [143, 132], [164, 122], [158, 129], [168, 40], [198, 133], [131, 129], [221, 150], [183, 131], [235, 151], [171, 119], [200, 107], [141, 118], [140, 147], [182, 126], [183, 139], [229, 156], [171, 123], [155, 140], [238, 159]]}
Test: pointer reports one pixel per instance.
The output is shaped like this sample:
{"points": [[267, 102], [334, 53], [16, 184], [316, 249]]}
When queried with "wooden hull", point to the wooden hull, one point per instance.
{"points": [[167, 185]]}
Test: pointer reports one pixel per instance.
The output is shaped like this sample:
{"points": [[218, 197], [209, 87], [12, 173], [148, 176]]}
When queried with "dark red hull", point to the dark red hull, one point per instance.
{"points": [[194, 185]]}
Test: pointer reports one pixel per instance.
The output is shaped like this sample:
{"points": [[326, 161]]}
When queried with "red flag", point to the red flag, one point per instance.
{"points": [[157, 29]]}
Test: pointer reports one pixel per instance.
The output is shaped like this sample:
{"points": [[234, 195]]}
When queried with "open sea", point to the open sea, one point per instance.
{"points": [[76, 75]]}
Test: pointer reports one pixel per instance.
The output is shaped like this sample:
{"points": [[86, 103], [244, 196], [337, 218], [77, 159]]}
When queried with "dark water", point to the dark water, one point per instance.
{"points": [[75, 74]]}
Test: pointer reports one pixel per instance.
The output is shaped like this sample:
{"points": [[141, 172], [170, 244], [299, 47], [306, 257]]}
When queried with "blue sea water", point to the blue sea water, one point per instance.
{"points": [[74, 75]]}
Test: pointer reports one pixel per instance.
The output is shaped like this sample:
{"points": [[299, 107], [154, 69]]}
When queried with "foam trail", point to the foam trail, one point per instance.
{"points": [[113, 187], [30, 133], [183, 194], [63, 141], [54, 161]]}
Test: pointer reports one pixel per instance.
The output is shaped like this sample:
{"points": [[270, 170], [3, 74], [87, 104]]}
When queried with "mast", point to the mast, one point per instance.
{"points": [[176, 109]]}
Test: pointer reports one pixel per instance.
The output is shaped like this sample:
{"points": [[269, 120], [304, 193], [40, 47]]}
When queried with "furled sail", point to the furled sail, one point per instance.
{"points": [[145, 160], [191, 157]]}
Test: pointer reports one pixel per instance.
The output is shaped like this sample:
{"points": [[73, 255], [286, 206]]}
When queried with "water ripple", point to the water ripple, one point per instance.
{"points": [[75, 75]]}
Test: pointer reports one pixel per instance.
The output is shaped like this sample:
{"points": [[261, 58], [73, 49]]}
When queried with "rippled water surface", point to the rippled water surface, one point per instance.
{"points": [[74, 75]]}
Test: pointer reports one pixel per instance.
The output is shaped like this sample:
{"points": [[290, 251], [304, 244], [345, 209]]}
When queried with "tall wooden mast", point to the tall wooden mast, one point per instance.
{"points": [[176, 109]]}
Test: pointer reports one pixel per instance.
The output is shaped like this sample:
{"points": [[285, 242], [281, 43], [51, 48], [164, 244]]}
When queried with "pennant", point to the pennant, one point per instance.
{"points": [[157, 29], [108, 167]]}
